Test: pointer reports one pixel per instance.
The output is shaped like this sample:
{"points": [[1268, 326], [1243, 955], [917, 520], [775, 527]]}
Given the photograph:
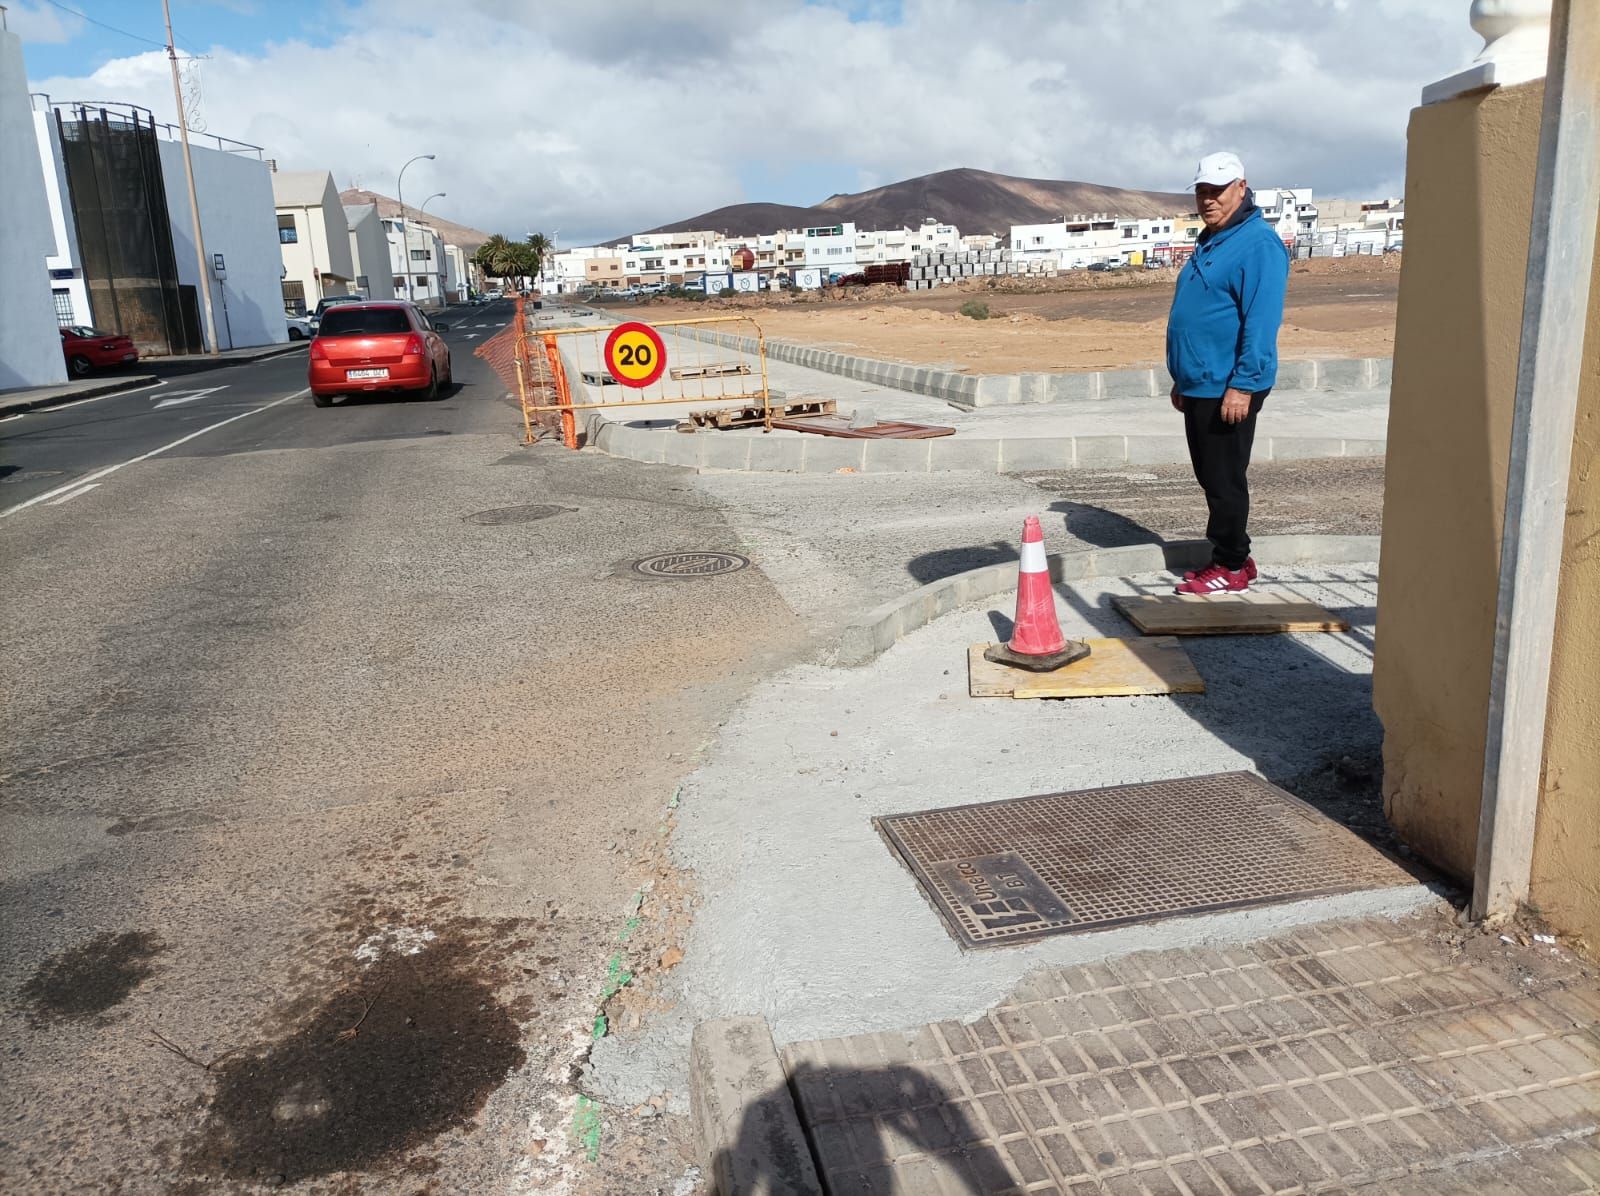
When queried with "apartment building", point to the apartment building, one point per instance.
{"points": [[417, 262], [313, 238], [830, 247], [369, 252]]}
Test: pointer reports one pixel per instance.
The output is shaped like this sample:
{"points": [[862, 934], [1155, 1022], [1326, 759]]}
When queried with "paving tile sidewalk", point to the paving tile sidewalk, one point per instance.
{"points": [[1395, 1057]]}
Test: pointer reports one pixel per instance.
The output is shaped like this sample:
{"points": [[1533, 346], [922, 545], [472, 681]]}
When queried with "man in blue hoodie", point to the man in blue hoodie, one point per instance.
{"points": [[1222, 353]]}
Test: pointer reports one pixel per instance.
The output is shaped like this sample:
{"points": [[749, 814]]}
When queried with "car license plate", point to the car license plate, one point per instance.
{"points": [[352, 375]]}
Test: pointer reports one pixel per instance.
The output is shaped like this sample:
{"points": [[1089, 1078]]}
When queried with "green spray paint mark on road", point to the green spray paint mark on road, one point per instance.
{"points": [[586, 1127], [616, 978]]}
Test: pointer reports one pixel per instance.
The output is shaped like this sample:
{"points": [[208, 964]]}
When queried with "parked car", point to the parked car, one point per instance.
{"points": [[372, 346], [299, 327], [1099, 267], [87, 349]]}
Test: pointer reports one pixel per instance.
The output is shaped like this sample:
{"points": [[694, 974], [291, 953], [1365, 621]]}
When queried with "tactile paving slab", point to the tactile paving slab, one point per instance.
{"points": [[1011, 871]]}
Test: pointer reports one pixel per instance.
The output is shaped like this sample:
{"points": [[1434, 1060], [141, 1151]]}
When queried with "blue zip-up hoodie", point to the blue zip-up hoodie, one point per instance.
{"points": [[1223, 327]]}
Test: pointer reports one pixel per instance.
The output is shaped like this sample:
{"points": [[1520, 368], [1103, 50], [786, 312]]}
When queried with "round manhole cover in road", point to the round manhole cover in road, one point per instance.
{"points": [[682, 565], [528, 514]]}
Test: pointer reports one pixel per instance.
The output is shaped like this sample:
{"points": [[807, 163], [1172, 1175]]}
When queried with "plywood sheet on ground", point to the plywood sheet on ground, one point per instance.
{"points": [[1225, 614], [1113, 669]]}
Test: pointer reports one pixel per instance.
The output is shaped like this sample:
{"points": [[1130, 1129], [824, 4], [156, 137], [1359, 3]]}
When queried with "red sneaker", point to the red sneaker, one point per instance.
{"points": [[1249, 570], [1215, 579]]}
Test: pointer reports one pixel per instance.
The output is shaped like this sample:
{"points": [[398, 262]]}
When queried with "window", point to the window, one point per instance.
{"points": [[422, 281], [350, 320], [294, 296], [63, 306], [286, 231], [1127, 233], [420, 255], [399, 285], [1038, 240]]}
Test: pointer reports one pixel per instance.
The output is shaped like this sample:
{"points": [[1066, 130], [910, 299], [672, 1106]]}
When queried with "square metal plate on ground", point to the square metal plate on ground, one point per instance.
{"points": [[1225, 614], [1113, 669], [1017, 870]]}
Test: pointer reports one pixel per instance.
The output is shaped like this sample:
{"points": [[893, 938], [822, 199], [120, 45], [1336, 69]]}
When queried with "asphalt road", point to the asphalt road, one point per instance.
{"points": [[338, 757]]}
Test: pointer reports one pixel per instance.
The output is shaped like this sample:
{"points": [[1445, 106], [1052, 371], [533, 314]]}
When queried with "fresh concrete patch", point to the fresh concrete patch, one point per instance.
{"points": [[809, 921]]}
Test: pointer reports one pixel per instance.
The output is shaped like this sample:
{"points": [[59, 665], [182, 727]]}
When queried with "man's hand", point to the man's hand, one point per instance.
{"points": [[1235, 405], [1177, 399]]}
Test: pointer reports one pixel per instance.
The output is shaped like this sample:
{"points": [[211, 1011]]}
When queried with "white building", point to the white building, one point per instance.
{"points": [[30, 348], [1072, 243], [138, 275], [830, 248], [455, 273], [416, 258], [1290, 210], [369, 252], [313, 237]]}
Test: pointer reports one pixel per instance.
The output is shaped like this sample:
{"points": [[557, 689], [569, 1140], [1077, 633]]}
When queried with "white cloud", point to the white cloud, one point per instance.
{"points": [[41, 23], [602, 118]]}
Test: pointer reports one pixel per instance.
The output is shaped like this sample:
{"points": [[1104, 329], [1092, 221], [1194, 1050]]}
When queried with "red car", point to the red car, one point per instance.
{"points": [[88, 349], [362, 347]]}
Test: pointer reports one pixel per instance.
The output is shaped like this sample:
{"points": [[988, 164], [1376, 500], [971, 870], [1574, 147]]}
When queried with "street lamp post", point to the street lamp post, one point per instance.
{"points": [[421, 212], [405, 228]]}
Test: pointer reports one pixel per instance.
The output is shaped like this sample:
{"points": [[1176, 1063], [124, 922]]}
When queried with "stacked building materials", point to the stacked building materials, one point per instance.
{"points": [[930, 270]]}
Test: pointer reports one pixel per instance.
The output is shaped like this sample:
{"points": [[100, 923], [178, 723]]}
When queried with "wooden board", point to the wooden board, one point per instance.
{"points": [[839, 425], [1113, 669], [717, 369], [1225, 614], [750, 415]]}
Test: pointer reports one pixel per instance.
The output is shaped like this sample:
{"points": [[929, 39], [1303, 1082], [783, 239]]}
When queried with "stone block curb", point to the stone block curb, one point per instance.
{"points": [[1011, 454], [879, 629], [972, 391], [746, 1128]]}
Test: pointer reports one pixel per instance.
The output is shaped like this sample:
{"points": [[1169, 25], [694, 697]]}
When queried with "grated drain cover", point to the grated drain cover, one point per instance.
{"points": [[681, 565], [528, 514], [1012, 871]]}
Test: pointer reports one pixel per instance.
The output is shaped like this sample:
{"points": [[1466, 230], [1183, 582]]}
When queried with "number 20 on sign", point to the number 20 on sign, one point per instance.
{"points": [[635, 354]]}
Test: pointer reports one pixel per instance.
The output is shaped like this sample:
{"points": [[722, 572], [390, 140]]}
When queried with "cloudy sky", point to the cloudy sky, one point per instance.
{"points": [[594, 118]]}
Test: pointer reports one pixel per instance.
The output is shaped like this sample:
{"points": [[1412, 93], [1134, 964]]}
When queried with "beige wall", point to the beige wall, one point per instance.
{"points": [[1469, 188]]}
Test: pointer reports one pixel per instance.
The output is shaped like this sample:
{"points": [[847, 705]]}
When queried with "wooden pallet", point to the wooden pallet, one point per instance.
{"points": [[1225, 614], [598, 378], [716, 369], [1113, 669], [752, 414], [838, 425]]}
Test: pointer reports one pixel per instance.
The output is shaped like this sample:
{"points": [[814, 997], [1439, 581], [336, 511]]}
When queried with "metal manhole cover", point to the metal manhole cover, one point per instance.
{"points": [[679, 565], [528, 514], [1012, 871]]}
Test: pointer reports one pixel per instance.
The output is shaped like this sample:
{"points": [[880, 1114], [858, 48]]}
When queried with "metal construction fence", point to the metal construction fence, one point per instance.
{"points": [[635, 365]]}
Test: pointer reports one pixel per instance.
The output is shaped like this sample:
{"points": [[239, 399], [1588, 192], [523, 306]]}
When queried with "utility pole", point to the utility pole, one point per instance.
{"points": [[194, 199]]}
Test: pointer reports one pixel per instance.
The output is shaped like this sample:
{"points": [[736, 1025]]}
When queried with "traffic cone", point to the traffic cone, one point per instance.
{"points": [[1036, 640]]}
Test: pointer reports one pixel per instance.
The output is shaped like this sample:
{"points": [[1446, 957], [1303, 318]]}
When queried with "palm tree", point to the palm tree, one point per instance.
{"points": [[539, 248]]}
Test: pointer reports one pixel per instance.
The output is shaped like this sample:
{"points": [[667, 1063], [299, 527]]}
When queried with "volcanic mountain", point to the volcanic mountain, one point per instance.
{"points": [[975, 201]]}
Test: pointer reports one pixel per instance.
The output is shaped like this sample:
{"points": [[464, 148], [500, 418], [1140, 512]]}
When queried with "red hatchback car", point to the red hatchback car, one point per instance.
{"points": [[89, 349], [362, 347]]}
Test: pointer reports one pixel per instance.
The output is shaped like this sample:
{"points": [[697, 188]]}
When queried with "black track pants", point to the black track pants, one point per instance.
{"points": [[1220, 454]]}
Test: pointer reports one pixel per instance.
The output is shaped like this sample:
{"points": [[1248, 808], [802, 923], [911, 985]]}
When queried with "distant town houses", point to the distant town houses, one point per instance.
{"points": [[936, 253]]}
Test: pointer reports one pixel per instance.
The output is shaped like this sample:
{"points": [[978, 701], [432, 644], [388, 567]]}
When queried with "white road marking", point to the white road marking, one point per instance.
{"points": [[72, 494], [471, 336], [177, 398], [110, 469], [110, 394]]}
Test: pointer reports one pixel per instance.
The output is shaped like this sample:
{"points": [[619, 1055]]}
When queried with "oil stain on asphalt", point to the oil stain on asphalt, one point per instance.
{"points": [[410, 1048], [92, 977]]}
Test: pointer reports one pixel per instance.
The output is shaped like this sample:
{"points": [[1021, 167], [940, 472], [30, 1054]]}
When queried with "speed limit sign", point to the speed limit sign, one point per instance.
{"points": [[635, 354]]}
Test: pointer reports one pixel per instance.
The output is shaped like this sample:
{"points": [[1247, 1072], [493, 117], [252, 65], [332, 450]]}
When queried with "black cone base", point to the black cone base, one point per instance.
{"points": [[1002, 654]]}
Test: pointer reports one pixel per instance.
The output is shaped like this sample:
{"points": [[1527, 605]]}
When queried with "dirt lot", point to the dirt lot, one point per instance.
{"points": [[1337, 307]]}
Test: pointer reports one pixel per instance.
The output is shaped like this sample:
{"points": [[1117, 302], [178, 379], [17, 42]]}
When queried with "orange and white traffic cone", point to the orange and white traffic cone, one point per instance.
{"points": [[1036, 640]]}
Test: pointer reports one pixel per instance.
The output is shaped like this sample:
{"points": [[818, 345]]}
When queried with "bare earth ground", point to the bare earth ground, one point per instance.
{"points": [[1337, 307]]}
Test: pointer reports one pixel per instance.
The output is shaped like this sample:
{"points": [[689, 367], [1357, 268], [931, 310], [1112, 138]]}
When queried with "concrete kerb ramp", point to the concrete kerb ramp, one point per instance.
{"points": [[882, 627]]}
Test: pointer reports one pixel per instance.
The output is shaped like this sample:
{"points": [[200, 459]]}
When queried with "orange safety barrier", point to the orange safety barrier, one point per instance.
{"points": [[673, 362]]}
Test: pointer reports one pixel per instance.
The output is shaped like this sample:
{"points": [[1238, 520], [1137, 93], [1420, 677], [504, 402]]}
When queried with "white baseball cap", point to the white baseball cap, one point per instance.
{"points": [[1218, 170]]}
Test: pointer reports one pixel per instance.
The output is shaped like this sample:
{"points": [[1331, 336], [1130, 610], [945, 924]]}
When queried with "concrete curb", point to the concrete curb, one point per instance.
{"points": [[879, 629], [746, 1128], [973, 391], [1012, 454], [58, 396]]}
